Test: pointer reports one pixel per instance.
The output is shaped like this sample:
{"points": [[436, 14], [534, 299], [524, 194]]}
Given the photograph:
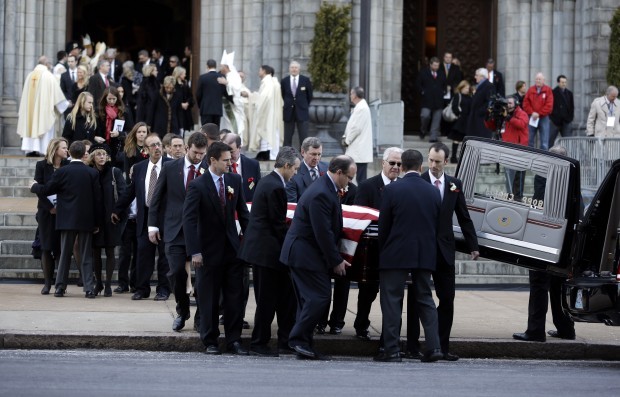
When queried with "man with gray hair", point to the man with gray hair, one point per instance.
{"points": [[297, 95], [115, 66], [484, 91], [604, 113], [310, 170]]}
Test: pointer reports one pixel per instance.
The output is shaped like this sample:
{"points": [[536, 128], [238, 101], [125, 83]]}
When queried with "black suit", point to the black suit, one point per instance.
{"points": [[498, 83], [431, 90], [209, 94], [118, 71], [210, 230], [96, 86], [296, 105], [262, 243], [562, 114], [409, 201], [453, 75], [250, 175], [66, 84], [78, 214], [478, 112], [300, 182], [444, 276], [310, 249], [146, 250]]}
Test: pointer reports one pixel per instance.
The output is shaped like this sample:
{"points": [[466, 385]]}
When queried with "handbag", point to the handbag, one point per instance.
{"points": [[447, 113]]}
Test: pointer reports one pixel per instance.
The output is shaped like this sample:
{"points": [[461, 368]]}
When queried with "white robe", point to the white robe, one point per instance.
{"points": [[358, 134], [234, 88], [42, 102], [267, 122]]}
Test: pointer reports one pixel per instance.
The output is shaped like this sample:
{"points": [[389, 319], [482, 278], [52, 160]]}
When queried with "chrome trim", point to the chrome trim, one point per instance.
{"points": [[511, 241]]}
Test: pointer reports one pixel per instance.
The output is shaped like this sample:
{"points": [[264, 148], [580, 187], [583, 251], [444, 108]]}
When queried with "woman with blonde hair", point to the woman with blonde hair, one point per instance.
{"points": [[461, 104], [166, 109], [147, 93], [82, 122], [186, 120], [130, 82], [56, 157], [81, 83]]}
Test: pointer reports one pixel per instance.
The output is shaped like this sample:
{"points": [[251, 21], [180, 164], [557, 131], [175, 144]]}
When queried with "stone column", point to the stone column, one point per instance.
{"points": [[9, 105]]}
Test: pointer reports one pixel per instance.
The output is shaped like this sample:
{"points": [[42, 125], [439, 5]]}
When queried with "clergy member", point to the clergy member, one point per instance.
{"points": [[233, 118]]}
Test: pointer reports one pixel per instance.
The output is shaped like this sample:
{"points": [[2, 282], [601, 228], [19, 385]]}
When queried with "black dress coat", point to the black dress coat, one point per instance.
{"points": [[209, 93], [369, 192], [250, 170], [110, 234], [165, 114], [186, 120], [563, 107], [50, 240], [129, 98], [431, 89], [128, 162], [96, 86], [459, 128], [81, 131], [76, 91], [478, 111], [145, 99], [296, 107], [453, 76]]}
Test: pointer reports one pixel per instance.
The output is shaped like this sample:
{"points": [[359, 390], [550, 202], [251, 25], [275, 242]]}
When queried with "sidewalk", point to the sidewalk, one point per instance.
{"points": [[483, 326]]}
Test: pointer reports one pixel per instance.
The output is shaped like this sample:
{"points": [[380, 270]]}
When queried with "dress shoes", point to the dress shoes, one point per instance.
{"points": [[179, 323], [450, 357], [262, 351], [432, 355], [59, 293], [304, 352], [107, 291], [284, 348], [80, 283], [413, 355], [161, 296], [528, 338], [555, 334], [362, 334], [238, 349], [320, 330], [335, 330], [213, 350], [90, 295], [388, 357], [98, 288], [132, 290], [120, 290], [138, 296]]}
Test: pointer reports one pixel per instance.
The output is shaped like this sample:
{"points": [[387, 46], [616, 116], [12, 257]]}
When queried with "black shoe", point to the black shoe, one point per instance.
{"points": [[196, 325], [132, 290], [413, 355], [98, 288], [528, 338], [138, 296], [262, 156], [388, 358], [362, 334], [161, 296], [304, 352], [284, 348], [433, 140], [120, 290], [450, 357], [262, 351], [237, 348], [320, 330], [422, 135], [59, 293], [90, 295], [46, 289], [34, 154], [432, 355], [335, 330], [80, 283], [213, 350], [246, 325], [107, 291], [179, 323], [555, 334]]}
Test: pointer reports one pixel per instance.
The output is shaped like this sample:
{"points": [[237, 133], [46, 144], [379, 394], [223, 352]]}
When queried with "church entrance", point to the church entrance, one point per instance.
{"points": [[467, 28]]}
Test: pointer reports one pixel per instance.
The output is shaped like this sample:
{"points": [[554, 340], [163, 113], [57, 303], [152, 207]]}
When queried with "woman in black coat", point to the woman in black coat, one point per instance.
{"points": [[56, 157], [147, 94], [134, 150], [186, 120], [461, 105], [112, 108], [166, 109], [81, 124], [109, 236]]}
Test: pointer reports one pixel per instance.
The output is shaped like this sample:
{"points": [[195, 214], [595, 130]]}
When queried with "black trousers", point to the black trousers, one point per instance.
{"points": [[177, 275], [339, 306], [210, 118], [85, 244], [289, 131], [444, 281], [145, 265], [127, 256], [210, 280], [541, 285], [313, 292], [366, 295], [273, 290]]}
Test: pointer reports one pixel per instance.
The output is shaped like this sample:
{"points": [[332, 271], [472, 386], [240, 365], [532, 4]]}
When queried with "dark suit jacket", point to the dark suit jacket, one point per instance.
{"points": [[453, 77], [118, 71], [209, 93], [431, 89], [563, 107], [207, 229], [408, 219], [267, 228], [477, 114], [79, 197], [250, 170], [96, 86], [66, 84], [300, 182], [369, 192], [135, 190], [498, 83], [296, 106], [43, 172], [312, 240], [453, 202]]}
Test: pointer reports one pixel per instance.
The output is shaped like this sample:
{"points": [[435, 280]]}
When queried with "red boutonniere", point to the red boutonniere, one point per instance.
{"points": [[343, 192], [453, 188], [251, 183], [230, 192], [321, 173]]}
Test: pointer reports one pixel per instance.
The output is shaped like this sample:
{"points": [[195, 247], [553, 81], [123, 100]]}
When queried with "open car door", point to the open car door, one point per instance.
{"points": [[530, 222]]}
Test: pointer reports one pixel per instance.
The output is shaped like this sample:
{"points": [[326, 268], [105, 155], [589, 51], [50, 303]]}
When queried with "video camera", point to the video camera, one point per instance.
{"points": [[498, 112]]}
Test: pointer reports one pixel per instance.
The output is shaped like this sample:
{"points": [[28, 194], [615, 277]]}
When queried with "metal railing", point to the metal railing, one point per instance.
{"points": [[595, 157]]}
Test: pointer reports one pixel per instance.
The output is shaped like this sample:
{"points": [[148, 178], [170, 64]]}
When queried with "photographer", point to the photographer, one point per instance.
{"points": [[510, 121]]}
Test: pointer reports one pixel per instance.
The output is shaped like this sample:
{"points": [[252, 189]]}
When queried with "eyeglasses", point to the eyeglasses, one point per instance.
{"points": [[394, 163], [154, 145]]}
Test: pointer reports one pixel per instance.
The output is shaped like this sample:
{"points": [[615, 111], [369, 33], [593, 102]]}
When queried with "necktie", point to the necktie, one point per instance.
{"points": [[73, 76], [152, 183], [611, 109], [190, 175], [438, 186], [234, 165], [294, 86], [434, 75], [313, 174], [221, 193], [107, 83]]}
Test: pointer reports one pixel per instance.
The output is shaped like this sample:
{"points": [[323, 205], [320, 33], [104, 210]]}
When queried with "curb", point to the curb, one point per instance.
{"points": [[339, 346]]}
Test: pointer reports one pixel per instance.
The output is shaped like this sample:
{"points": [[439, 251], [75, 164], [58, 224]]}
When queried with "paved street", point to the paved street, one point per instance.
{"points": [[98, 373]]}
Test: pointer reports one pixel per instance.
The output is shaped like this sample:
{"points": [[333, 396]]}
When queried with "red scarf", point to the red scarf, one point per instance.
{"points": [[111, 112]]}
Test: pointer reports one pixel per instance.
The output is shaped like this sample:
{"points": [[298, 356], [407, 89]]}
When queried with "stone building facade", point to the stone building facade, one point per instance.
{"points": [[553, 36]]}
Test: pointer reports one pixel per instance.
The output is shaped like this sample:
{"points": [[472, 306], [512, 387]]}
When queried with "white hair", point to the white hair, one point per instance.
{"points": [[483, 72], [391, 150]]}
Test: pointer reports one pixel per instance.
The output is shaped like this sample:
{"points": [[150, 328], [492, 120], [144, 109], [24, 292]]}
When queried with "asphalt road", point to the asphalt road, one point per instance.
{"points": [[99, 373]]}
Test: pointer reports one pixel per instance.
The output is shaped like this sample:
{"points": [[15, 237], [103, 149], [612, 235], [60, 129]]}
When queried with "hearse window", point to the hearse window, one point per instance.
{"points": [[478, 171]]}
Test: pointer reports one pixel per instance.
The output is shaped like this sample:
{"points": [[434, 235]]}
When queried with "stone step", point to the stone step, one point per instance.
{"points": [[17, 219], [19, 162], [15, 191], [24, 233], [17, 171], [13, 247], [14, 181]]}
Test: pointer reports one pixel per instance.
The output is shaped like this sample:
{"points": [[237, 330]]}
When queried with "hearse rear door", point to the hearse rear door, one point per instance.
{"points": [[528, 222]]}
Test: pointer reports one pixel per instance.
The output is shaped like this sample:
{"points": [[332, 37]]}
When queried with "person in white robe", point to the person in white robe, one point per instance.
{"points": [[42, 103], [247, 110], [233, 115], [358, 133], [267, 132]]}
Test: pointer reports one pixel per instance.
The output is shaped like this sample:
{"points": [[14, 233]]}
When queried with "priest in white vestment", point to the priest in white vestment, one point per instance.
{"points": [[267, 133], [233, 115], [42, 103]]}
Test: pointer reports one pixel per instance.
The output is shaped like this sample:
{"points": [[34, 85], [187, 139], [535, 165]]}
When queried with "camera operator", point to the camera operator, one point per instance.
{"points": [[510, 121]]}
